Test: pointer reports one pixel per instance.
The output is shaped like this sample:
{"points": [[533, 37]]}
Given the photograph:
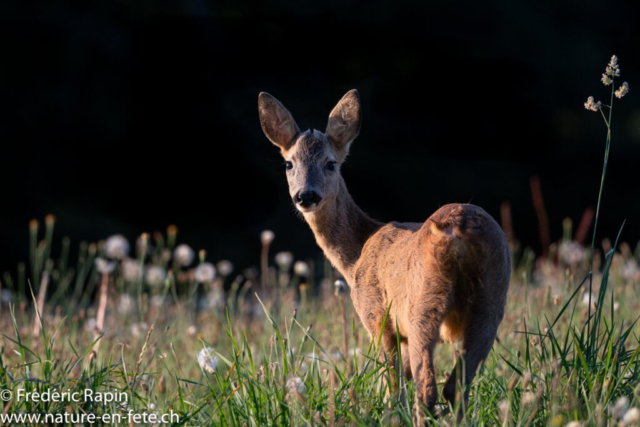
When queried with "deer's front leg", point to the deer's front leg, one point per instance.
{"points": [[372, 309], [423, 336]]}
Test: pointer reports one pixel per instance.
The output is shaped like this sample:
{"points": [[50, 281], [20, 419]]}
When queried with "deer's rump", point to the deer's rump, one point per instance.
{"points": [[464, 247], [448, 258]]}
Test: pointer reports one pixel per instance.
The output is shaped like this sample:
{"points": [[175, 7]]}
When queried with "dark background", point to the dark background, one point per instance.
{"points": [[127, 116]]}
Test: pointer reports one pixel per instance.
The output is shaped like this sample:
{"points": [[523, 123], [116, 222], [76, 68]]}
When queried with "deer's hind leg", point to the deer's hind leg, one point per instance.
{"points": [[483, 318], [426, 314]]}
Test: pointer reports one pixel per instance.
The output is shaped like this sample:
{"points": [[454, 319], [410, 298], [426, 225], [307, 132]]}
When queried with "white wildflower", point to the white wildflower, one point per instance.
{"points": [[224, 267], [191, 331], [130, 269], [138, 329], [623, 90], [301, 268], [340, 286], [503, 408], [91, 325], [571, 253], [284, 260], [165, 256], [528, 398], [304, 368], [125, 304], [267, 236], [630, 270], [116, 246], [632, 417], [205, 273], [618, 410], [296, 384], [593, 106], [6, 296], [184, 255], [354, 351], [104, 266], [155, 275], [207, 360], [585, 299]]}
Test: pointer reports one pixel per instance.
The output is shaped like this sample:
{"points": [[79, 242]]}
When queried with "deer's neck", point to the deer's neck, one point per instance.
{"points": [[341, 229]]}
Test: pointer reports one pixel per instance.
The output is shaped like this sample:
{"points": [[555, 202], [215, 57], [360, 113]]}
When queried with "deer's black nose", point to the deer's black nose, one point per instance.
{"points": [[307, 198]]}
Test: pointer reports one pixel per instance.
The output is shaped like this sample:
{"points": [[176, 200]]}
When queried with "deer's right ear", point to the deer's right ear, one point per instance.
{"points": [[276, 121]]}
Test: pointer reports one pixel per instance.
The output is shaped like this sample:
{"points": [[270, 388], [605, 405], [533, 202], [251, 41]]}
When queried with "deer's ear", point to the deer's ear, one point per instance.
{"points": [[345, 120], [276, 121]]}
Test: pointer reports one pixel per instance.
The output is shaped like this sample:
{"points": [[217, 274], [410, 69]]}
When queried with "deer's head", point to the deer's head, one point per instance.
{"points": [[312, 158]]}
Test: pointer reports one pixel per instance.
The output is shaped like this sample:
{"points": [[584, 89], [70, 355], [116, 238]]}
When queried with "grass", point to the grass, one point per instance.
{"points": [[285, 347], [281, 366]]}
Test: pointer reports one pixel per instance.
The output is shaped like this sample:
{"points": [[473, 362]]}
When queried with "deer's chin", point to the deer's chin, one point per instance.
{"points": [[309, 209]]}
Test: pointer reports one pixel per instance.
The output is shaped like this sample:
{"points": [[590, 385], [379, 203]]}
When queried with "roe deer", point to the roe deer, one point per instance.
{"points": [[447, 277]]}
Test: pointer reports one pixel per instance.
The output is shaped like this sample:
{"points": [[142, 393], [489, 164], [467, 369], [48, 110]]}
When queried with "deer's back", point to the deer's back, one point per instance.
{"points": [[408, 262]]}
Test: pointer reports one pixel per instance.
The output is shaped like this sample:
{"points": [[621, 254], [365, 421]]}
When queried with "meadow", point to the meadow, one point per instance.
{"points": [[156, 328]]}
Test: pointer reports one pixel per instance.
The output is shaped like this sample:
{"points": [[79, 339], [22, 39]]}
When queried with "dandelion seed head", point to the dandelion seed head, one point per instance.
{"points": [[157, 300], [267, 237], [116, 246], [618, 410], [571, 253], [6, 296], [138, 329], [205, 273], [301, 268], [130, 269], [184, 255], [528, 398], [155, 275], [125, 304], [165, 255], [503, 407], [632, 417], [224, 267], [284, 260], [91, 325], [296, 384], [585, 299], [208, 360], [103, 266], [340, 286], [191, 331]]}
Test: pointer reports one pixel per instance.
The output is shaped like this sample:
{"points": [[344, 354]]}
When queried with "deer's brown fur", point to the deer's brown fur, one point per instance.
{"points": [[444, 278]]}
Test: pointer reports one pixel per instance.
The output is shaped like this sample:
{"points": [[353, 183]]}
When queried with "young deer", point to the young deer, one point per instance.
{"points": [[447, 277]]}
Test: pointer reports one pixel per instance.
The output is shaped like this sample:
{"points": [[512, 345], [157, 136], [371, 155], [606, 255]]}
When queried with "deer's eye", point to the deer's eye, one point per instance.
{"points": [[331, 166], [288, 165]]}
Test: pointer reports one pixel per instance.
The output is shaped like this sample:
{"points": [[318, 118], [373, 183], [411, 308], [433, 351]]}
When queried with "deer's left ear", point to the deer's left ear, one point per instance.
{"points": [[345, 120]]}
